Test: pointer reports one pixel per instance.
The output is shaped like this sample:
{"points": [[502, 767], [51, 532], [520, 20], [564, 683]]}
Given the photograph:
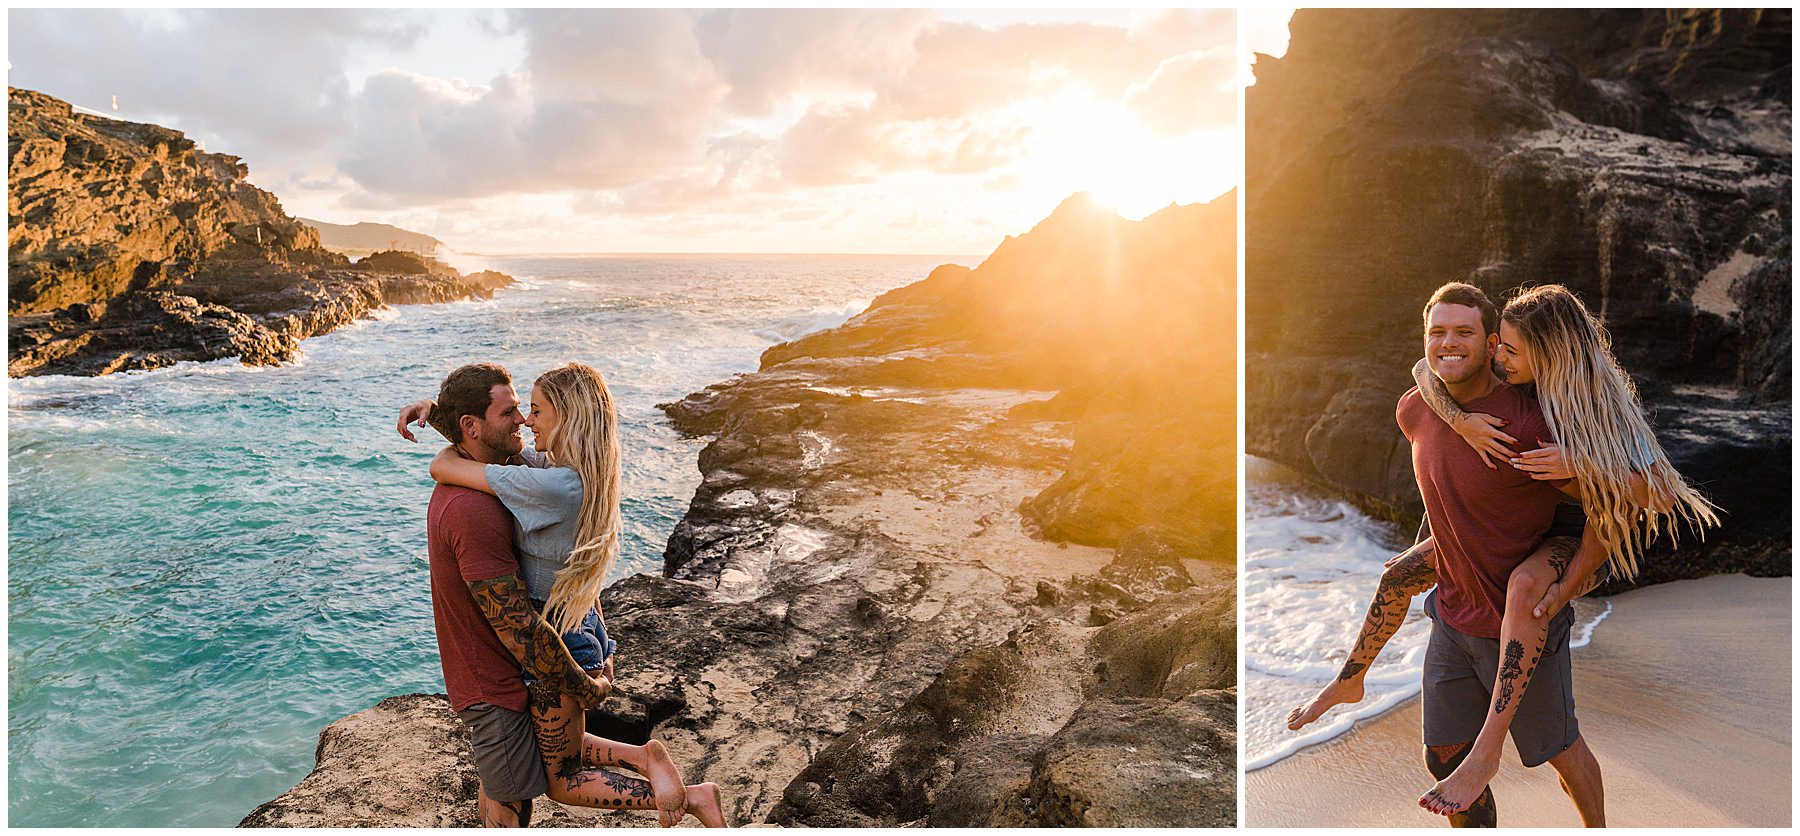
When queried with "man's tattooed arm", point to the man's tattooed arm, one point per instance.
{"points": [[1436, 396], [532, 640]]}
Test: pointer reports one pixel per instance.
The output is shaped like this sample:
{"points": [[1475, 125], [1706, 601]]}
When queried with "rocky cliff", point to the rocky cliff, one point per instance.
{"points": [[1640, 157], [129, 248], [968, 559]]}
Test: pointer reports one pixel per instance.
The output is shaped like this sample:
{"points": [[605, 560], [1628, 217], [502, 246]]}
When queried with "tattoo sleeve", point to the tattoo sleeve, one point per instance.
{"points": [[1436, 396], [532, 640]]}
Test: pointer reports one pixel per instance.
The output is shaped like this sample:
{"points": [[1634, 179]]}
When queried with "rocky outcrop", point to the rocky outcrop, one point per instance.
{"points": [[1640, 157], [365, 237], [936, 510], [130, 248], [931, 577]]}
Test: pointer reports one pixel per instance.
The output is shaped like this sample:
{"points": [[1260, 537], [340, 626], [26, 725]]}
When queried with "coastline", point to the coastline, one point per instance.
{"points": [[1687, 718]]}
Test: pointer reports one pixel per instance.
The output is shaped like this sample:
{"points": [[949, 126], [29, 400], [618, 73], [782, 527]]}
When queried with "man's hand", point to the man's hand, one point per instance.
{"points": [[532, 641], [418, 411], [1545, 463]]}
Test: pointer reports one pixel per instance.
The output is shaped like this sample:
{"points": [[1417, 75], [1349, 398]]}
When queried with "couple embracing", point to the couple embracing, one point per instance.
{"points": [[520, 541], [1539, 475]]}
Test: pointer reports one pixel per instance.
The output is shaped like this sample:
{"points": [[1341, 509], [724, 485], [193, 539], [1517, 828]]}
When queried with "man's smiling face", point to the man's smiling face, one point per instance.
{"points": [[1457, 347]]}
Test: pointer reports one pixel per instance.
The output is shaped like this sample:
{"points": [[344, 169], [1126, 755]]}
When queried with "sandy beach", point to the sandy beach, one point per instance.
{"points": [[1684, 695]]}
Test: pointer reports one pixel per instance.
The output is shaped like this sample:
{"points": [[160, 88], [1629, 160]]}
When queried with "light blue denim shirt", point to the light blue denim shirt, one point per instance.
{"points": [[545, 502]]}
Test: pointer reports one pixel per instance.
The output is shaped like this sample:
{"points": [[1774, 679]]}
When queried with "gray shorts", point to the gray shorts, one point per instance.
{"points": [[506, 752], [1459, 686]]}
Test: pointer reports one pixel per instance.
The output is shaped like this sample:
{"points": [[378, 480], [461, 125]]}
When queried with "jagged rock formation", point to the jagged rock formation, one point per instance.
{"points": [[129, 248], [986, 528], [1640, 157], [365, 237]]}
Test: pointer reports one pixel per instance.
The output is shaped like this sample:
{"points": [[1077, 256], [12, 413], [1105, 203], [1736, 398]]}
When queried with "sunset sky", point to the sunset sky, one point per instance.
{"points": [[669, 130]]}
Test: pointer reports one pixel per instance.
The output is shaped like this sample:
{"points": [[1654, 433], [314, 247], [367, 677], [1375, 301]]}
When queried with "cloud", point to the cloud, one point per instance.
{"points": [[1189, 92], [775, 57], [272, 81], [624, 113]]}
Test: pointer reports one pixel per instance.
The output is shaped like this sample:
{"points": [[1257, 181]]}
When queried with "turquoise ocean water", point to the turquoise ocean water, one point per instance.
{"points": [[209, 563]]}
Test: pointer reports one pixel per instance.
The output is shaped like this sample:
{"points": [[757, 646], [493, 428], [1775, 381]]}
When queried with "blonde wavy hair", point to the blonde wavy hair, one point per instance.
{"points": [[1594, 411], [586, 438]]}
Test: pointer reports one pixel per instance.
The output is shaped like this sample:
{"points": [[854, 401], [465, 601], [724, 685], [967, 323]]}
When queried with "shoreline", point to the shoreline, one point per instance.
{"points": [[1686, 718]]}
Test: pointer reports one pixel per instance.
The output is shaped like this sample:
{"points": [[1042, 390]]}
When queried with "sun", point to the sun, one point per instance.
{"points": [[1081, 144]]}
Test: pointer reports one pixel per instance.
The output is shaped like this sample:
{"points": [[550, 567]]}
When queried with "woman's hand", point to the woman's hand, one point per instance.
{"points": [[603, 683], [1482, 432], [1545, 463], [419, 411]]}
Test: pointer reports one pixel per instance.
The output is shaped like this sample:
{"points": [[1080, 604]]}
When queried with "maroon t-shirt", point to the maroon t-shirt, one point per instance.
{"points": [[1485, 522], [470, 538]]}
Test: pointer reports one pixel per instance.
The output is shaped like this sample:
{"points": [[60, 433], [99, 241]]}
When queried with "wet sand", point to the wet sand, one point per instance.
{"points": [[1684, 696]]}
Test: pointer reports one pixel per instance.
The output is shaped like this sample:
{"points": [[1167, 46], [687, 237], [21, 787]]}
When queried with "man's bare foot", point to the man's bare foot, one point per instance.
{"points": [[1336, 692], [665, 781], [1459, 791], [703, 802]]}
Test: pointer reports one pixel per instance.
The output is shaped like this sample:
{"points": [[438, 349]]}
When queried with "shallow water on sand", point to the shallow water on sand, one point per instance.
{"points": [[208, 563]]}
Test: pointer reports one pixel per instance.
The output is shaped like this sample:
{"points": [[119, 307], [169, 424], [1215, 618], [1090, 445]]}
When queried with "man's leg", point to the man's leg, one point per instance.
{"points": [[506, 764], [1405, 577], [1453, 704], [502, 813], [1522, 637], [1443, 760], [1580, 775]]}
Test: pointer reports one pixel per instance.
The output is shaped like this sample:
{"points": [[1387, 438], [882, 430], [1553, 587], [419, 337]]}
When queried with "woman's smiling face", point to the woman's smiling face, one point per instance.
{"points": [[542, 420], [1515, 359]]}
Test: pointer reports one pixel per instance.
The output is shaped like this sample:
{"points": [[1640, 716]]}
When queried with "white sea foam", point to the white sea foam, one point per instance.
{"points": [[1310, 566]]}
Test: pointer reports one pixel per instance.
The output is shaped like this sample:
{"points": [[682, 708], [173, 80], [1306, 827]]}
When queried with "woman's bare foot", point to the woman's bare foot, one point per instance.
{"points": [[1457, 792], [665, 781], [703, 802], [1336, 692]]}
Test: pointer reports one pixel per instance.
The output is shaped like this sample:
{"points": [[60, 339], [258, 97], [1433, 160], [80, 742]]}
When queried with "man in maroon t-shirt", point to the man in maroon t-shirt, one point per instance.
{"points": [[487, 629], [1485, 522]]}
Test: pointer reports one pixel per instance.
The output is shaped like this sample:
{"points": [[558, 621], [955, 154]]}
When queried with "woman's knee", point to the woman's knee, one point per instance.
{"points": [[1528, 583]]}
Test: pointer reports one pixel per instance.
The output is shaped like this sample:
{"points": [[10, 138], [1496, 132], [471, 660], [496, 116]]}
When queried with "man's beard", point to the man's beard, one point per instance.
{"points": [[1476, 367], [504, 445]]}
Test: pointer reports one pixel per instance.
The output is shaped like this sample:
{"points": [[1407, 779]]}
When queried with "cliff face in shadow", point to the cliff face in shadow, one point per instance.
{"points": [[1641, 158], [967, 559], [129, 248]]}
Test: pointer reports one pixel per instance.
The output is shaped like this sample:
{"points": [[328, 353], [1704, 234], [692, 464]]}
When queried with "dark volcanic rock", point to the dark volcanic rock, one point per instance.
{"points": [[130, 249], [1640, 157]]}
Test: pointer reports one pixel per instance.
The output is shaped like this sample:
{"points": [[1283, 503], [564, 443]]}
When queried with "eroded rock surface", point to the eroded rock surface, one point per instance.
{"points": [[1640, 157], [130, 248]]}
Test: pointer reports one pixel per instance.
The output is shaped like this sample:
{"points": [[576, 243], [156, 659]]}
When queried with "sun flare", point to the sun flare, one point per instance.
{"points": [[1080, 144]]}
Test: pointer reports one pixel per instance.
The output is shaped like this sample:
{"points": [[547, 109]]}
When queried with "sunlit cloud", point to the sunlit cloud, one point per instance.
{"points": [[789, 130]]}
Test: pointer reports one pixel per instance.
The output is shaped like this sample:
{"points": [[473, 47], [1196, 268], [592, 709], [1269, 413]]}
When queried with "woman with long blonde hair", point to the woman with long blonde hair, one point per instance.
{"points": [[1604, 448], [565, 501]]}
